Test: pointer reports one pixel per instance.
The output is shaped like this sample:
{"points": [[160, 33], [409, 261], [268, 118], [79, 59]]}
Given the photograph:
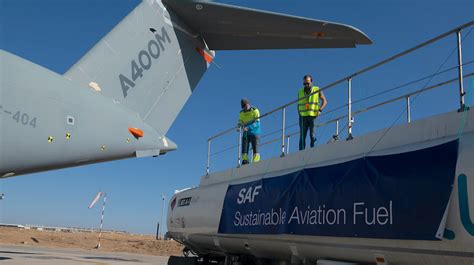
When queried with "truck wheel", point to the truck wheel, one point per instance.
{"points": [[173, 260]]}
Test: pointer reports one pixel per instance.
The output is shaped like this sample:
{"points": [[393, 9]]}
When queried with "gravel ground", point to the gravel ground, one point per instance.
{"points": [[110, 242]]}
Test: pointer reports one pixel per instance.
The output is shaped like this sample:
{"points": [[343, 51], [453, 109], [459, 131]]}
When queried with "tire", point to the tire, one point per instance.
{"points": [[173, 260]]}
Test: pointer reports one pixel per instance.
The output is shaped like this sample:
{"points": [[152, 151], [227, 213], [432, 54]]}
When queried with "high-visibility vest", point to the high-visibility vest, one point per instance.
{"points": [[251, 120], [308, 105]]}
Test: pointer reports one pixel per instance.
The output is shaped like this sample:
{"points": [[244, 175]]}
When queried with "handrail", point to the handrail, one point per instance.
{"points": [[363, 70], [372, 96], [400, 86], [348, 79], [411, 94], [407, 95]]}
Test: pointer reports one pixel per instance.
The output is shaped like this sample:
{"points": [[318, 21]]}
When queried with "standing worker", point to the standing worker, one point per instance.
{"points": [[309, 107], [250, 123]]}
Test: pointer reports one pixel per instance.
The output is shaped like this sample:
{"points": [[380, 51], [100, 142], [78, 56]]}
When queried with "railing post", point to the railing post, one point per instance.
{"points": [[461, 83], [349, 109], [283, 117], [208, 156], [335, 137], [288, 144], [408, 110], [239, 152]]}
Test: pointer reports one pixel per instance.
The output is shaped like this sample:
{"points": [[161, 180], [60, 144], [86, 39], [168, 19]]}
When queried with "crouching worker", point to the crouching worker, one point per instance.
{"points": [[250, 123]]}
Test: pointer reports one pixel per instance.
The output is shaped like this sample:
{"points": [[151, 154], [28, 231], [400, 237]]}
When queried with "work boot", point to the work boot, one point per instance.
{"points": [[245, 158], [256, 157]]}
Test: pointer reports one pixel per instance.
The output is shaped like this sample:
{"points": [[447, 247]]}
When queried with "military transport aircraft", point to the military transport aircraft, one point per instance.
{"points": [[119, 100]]}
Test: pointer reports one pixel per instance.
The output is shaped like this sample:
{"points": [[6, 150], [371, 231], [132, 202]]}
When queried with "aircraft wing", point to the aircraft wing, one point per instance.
{"points": [[227, 27]]}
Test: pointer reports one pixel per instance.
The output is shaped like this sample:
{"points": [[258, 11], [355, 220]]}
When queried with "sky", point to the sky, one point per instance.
{"points": [[56, 33]]}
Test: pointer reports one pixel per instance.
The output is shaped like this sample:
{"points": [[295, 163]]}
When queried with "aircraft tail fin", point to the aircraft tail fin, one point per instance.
{"points": [[153, 59], [145, 63]]}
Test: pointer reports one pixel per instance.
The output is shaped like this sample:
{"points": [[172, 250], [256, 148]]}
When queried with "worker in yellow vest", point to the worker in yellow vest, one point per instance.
{"points": [[311, 102], [250, 123]]}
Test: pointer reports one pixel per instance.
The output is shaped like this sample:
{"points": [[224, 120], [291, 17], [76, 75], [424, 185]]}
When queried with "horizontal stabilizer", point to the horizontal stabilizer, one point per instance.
{"points": [[226, 27]]}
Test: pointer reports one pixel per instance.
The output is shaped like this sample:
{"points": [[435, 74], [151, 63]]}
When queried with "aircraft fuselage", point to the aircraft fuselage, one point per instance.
{"points": [[48, 122]]}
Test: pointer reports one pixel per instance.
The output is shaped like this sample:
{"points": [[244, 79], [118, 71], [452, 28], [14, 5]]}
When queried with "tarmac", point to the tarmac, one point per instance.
{"points": [[19, 254]]}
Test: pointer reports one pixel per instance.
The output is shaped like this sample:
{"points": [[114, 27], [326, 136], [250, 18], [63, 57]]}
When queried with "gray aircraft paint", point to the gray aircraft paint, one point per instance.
{"points": [[197, 224], [139, 75], [128, 68], [98, 130]]}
